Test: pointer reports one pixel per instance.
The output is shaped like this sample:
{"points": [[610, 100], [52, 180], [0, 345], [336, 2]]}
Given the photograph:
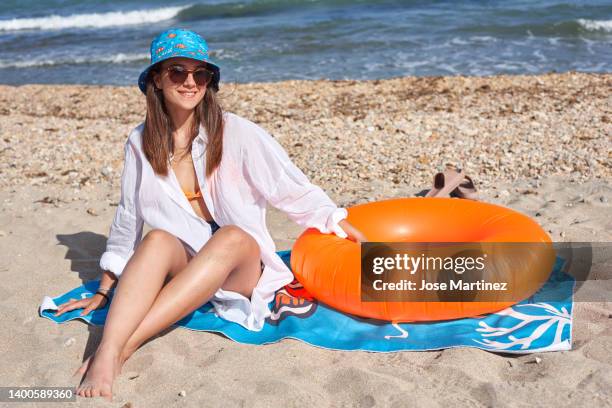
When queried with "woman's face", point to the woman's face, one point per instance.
{"points": [[182, 96]]}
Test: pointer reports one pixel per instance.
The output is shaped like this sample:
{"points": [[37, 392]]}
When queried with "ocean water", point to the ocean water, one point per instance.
{"points": [[107, 41]]}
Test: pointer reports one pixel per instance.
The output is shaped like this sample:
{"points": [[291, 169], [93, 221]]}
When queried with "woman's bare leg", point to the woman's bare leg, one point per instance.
{"points": [[158, 254], [230, 259]]}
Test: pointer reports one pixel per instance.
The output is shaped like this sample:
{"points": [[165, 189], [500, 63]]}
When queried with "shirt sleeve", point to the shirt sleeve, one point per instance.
{"points": [[126, 229], [270, 170]]}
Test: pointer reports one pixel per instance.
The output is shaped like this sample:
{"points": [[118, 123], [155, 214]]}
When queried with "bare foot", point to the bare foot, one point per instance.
{"points": [[101, 372]]}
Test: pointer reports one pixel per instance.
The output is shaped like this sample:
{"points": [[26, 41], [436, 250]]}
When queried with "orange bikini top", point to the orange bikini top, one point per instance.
{"points": [[191, 195]]}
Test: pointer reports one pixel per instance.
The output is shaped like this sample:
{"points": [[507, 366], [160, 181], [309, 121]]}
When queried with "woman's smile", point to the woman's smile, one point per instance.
{"points": [[188, 94]]}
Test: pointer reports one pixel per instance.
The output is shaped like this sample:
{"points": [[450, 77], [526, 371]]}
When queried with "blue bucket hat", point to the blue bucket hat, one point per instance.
{"points": [[177, 42]]}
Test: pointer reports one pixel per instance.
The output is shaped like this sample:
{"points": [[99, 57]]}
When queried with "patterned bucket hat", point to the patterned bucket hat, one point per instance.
{"points": [[177, 42]]}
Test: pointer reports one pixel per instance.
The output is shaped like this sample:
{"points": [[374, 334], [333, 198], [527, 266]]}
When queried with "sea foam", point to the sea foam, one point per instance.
{"points": [[116, 58], [596, 25], [96, 20]]}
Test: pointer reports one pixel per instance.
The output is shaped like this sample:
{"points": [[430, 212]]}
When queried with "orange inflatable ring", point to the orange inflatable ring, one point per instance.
{"points": [[330, 267]]}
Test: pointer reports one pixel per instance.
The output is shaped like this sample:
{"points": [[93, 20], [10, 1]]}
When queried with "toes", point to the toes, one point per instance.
{"points": [[89, 390]]}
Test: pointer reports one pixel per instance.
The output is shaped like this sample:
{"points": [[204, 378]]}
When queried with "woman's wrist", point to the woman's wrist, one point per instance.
{"points": [[107, 284], [108, 281], [104, 295]]}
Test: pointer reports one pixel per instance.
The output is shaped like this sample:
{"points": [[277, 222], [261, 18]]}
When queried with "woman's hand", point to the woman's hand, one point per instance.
{"points": [[97, 301], [353, 233]]}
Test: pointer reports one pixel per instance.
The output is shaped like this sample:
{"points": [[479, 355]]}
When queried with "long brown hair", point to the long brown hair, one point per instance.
{"points": [[158, 127]]}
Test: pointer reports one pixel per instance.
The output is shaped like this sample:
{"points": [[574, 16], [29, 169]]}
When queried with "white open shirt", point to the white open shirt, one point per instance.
{"points": [[254, 170]]}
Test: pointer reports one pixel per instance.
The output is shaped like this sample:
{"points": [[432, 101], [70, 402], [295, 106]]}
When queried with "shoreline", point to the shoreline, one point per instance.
{"points": [[350, 81]]}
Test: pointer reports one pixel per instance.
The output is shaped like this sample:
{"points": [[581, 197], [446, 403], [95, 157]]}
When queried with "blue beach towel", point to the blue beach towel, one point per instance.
{"points": [[534, 325]]}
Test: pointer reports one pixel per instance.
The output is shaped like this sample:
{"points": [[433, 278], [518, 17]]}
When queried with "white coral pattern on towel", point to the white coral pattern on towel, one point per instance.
{"points": [[504, 339]]}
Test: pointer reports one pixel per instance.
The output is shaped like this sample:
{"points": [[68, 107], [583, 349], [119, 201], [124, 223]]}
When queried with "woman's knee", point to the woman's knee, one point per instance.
{"points": [[236, 237], [158, 235], [161, 241], [164, 249]]}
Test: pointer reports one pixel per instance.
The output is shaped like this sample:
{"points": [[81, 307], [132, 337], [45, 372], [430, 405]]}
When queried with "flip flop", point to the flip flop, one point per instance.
{"points": [[445, 183], [465, 190], [437, 185]]}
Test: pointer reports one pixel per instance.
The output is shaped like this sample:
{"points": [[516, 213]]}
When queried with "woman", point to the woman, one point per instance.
{"points": [[200, 178]]}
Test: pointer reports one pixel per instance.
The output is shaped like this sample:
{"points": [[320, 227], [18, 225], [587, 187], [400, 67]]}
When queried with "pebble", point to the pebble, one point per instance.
{"points": [[106, 171], [91, 211], [2, 233], [69, 342], [535, 360], [182, 393]]}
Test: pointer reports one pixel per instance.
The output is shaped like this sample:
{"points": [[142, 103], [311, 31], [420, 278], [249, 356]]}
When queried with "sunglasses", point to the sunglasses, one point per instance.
{"points": [[178, 75]]}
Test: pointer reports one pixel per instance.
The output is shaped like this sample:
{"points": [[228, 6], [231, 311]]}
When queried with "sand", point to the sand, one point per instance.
{"points": [[361, 141]]}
